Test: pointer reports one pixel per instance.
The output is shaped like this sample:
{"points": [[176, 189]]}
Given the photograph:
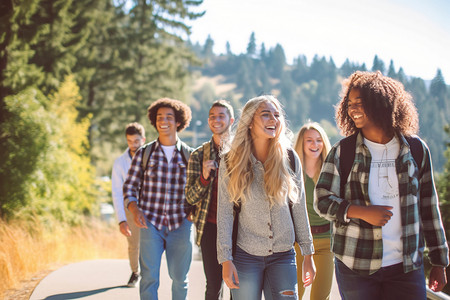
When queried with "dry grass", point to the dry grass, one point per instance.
{"points": [[29, 250]]}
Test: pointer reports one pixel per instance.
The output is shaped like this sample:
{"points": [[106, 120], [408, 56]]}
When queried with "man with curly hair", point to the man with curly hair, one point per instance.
{"points": [[385, 208], [154, 194]]}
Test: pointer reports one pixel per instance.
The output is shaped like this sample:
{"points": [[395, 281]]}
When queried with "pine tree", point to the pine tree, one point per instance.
{"points": [[228, 49], [378, 65], [251, 46], [391, 70]]}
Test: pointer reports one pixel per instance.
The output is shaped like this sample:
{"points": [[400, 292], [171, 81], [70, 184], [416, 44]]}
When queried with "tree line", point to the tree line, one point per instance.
{"points": [[309, 90]]}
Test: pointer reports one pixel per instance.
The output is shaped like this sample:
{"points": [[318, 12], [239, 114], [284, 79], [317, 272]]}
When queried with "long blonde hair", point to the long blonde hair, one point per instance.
{"points": [[299, 145], [278, 181]]}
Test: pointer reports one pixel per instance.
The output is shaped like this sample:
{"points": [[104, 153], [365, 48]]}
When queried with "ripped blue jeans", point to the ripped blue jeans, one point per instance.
{"points": [[275, 275]]}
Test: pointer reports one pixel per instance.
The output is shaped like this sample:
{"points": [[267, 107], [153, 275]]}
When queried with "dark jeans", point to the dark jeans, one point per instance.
{"points": [[213, 271], [387, 283]]}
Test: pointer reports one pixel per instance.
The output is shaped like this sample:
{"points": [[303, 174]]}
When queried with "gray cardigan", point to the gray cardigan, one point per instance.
{"points": [[262, 230]]}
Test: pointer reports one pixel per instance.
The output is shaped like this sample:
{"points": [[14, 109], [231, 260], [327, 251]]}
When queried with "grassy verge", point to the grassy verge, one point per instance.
{"points": [[28, 248]]}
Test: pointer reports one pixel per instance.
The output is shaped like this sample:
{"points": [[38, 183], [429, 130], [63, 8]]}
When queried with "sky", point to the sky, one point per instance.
{"points": [[415, 34]]}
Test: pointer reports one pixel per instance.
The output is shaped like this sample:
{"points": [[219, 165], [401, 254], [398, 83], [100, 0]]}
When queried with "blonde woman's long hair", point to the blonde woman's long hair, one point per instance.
{"points": [[299, 145], [279, 182]]}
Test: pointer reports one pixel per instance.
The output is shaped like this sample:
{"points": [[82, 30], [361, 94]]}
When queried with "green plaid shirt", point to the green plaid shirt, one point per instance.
{"points": [[196, 193], [359, 244]]}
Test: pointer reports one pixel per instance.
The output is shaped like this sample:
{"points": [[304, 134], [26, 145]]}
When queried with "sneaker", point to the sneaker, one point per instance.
{"points": [[134, 279]]}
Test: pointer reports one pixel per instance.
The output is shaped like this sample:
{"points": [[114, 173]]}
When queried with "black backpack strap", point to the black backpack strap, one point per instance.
{"points": [[346, 159], [291, 159], [185, 152], [146, 153], [236, 211], [416, 149]]}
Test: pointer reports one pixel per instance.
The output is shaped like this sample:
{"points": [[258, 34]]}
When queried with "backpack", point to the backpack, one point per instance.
{"points": [[347, 156], [237, 208]]}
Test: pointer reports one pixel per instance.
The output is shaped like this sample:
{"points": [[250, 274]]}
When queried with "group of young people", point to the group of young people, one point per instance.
{"points": [[363, 209]]}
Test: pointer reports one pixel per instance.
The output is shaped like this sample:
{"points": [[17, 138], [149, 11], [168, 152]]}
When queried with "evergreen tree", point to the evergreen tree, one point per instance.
{"points": [[208, 51], [300, 71], [19, 34], [438, 88], [262, 53], [378, 65], [251, 46], [391, 70], [276, 61], [228, 49]]}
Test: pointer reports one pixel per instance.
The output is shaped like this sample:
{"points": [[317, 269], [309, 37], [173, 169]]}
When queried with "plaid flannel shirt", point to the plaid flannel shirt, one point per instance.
{"points": [[162, 191], [197, 193], [359, 244]]}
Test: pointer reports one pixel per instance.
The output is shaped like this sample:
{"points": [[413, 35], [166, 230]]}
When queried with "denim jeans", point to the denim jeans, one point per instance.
{"points": [[178, 247], [213, 270], [275, 274], [387, 283]]}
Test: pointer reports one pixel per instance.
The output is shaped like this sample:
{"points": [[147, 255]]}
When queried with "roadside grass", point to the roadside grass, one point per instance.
{"points": [[30, 247]]}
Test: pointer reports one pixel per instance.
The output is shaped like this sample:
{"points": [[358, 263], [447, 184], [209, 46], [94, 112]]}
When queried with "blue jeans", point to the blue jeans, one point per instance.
{"points": [[178, 246], [387, 283], [274, 274]]}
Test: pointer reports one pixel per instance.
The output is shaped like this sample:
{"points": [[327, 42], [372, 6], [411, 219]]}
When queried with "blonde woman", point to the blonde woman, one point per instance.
{"points": [[312, 146], [256, 175]]}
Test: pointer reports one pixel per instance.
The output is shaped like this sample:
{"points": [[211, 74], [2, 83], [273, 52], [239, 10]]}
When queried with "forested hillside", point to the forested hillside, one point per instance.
{"points": [[310, 89]]}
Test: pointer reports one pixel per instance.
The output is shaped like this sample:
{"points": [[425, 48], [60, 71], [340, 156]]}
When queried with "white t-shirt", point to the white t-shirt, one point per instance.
{"points": [[168, 151], [383, 190]]}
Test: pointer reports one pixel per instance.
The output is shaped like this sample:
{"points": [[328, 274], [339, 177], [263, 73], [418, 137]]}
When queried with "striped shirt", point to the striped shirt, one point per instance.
{"points": [[162, 199], [359, 244]]}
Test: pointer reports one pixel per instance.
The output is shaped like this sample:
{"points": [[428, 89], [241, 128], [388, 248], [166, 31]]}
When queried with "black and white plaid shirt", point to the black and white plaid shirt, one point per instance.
{"points": [[162, 200]]}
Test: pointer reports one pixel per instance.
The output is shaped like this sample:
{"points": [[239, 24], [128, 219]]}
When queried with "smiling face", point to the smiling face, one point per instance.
{"points": [[266, 122], [356, 112], [165, 122], [312, 144], [219, 120]]}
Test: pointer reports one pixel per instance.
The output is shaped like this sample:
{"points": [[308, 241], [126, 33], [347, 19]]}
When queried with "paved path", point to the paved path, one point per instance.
{"points": [[107, 278]]}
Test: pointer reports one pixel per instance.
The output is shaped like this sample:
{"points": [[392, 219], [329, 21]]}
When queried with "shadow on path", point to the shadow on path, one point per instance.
{"points": [[82, 294]]}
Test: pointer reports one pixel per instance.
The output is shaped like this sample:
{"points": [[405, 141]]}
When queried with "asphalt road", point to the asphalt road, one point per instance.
{"points": [[107, 278]]}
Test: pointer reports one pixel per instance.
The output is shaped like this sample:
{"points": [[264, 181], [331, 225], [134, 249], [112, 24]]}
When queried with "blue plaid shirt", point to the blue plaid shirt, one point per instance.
{"points": [[359, 244], [162, 199]]}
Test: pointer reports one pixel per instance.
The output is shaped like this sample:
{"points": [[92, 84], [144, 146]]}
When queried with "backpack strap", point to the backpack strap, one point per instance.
{"points": [[185, 152], [346, 159], [206, 151], [146, 153], [291, 159], [416, 149]]}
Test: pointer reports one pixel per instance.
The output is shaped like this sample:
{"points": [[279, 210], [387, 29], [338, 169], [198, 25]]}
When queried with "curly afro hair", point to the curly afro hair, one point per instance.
{"points": [[385, 102], [183, 113]]}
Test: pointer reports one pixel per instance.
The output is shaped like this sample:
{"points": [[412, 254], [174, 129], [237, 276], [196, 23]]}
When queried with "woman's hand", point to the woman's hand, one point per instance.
{"points": [[228, 272], [377, 215], [308, 270]]}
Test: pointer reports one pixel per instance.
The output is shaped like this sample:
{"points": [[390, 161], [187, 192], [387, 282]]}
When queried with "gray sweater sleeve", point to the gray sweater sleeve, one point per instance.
{"points": [[303, 234], [224, 218]]}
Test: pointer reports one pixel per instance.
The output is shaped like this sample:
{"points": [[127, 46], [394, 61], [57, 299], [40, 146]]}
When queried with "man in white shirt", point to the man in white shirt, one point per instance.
{"points": [[135, 135]]}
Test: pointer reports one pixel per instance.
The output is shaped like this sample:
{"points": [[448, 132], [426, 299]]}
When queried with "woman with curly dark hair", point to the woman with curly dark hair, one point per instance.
{"points": [[377, 188]]}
